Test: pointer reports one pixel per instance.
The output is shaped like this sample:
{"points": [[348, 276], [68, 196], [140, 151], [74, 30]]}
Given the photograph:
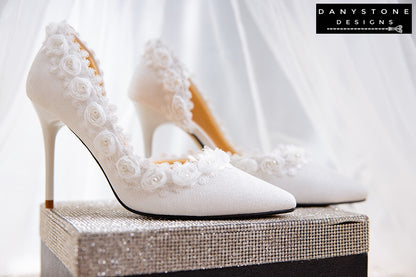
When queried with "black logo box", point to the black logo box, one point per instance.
{"points": [[367, 18]]}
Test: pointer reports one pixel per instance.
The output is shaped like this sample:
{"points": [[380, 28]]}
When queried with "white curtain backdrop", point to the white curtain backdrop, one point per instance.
{"points": [[270, 78]]}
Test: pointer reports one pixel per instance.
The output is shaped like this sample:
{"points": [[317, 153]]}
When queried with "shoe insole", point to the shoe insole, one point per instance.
{"points": [[202, 115]]}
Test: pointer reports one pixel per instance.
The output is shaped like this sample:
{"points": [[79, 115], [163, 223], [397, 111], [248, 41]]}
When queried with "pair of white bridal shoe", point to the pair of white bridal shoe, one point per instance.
{"points": [[66, 88]]}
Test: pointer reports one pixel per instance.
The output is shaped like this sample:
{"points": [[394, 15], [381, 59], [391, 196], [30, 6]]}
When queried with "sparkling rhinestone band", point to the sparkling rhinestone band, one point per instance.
{"points": [[102, 238]]}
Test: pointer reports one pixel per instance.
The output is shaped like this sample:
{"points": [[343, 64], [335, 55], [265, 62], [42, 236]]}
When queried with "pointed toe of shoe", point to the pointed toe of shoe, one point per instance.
{"points": [[334, 189], [317, 185], [237, 193], [279, 200], [348, 190], [231, 193], [266, 198]]}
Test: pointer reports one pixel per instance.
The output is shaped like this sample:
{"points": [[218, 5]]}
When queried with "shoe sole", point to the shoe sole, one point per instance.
{"points": [[187, 217], [305, 205]]}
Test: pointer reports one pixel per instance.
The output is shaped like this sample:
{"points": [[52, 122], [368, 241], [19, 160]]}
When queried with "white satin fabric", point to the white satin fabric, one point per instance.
{"points": [[349, 98]]}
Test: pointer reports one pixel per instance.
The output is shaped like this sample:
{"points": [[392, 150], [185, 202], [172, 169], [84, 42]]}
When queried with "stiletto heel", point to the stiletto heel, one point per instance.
{"points": [[50, 127], [161, 82], [66, 87], [150, 120]]}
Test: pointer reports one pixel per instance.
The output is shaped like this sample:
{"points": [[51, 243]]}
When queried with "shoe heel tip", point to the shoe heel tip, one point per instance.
{"points": [[49, 204]]}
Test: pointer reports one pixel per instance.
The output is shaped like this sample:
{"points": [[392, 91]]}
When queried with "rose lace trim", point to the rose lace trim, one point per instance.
{"points": [[284, 160], [173, 76], [177, 106], [85, 89]]}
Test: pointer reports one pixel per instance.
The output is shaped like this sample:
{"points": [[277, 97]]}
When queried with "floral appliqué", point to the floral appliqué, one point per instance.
{"points": [[174, 79], [284, 160], [85, 89]]}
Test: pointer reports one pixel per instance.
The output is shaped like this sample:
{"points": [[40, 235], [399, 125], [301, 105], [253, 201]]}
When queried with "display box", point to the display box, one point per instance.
{"points": [[104, 239]]}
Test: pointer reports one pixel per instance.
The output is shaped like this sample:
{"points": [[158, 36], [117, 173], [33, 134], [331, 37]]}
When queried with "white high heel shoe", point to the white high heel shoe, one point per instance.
{"points": [[65, 87], [162, 93]]}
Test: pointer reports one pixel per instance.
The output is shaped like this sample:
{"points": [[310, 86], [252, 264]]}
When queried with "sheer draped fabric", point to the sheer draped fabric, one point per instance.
{"points": [[359, 94], [348, 98]]}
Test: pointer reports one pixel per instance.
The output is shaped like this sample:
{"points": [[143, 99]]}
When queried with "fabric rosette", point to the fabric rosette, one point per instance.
{"points": [[128, 168], [80, 88], [106, 143], [71, 64], [154, 178], [56, 45], [185, 175], [95, 114]]}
